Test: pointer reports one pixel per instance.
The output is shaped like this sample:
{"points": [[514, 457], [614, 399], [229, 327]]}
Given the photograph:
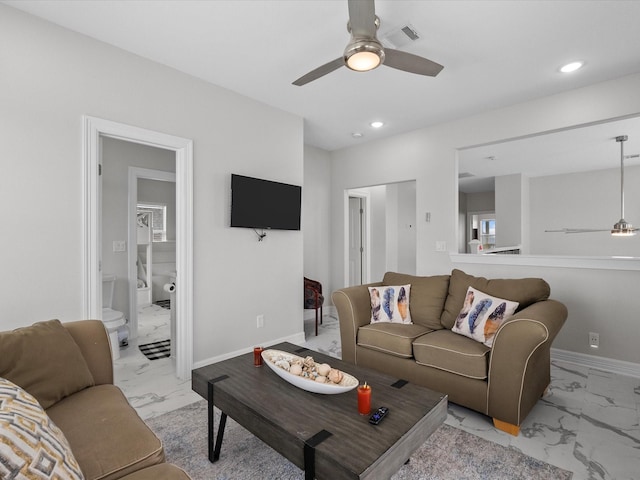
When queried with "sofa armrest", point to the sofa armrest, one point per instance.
{"points": [[92, 338], [354, 311], [519, 367]]}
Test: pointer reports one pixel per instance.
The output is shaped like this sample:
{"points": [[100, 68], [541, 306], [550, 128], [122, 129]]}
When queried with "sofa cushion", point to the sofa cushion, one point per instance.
{"points": [[45, 360], [482, 315], [428, 296], [390, 303], [392, 338], [31, 445], [454, 353], [525, 291], [106, 434]]}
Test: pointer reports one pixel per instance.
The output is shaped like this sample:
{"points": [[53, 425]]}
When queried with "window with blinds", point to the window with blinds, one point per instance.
{"points": [[158, 213]]}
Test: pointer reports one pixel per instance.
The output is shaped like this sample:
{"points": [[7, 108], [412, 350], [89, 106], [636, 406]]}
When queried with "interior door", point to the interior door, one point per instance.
{"points": [[356, 241]]}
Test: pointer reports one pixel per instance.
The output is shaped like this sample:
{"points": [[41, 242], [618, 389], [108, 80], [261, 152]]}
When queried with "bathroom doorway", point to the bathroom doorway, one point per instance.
{"points": [[152, 258], [95, 131]]}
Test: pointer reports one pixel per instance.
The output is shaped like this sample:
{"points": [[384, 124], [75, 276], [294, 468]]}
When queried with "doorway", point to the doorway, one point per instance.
{"points": [[380, 231], [94, 129], [356, 240], [358, 237], [141, 258]]}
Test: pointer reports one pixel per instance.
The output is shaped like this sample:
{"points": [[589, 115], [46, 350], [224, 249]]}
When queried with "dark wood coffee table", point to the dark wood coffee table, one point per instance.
{"points": [[322, 434]]}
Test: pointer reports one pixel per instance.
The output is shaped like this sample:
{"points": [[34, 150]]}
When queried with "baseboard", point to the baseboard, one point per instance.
{"points": [[297, 339], [618, 367]]}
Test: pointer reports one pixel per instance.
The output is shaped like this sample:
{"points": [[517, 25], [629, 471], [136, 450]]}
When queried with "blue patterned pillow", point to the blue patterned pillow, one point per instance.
{"points": [[482, 315], [31, 445], [390, 303]]}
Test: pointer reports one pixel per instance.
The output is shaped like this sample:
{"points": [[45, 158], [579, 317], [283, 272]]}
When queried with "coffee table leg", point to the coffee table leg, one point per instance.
{"points": [[310, 453], [214, 445]]}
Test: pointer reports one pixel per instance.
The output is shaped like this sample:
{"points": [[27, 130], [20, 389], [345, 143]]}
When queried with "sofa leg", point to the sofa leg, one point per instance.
{"points": [[510, 428]]}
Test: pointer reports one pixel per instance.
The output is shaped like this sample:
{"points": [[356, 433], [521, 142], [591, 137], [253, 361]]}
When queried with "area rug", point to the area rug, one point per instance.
{"points": [[156, 350], [450, 453], [164, 304]]}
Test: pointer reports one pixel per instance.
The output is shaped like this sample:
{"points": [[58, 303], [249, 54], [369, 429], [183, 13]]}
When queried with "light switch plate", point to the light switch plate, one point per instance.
{"points": [[119, 246], [441, 246]]}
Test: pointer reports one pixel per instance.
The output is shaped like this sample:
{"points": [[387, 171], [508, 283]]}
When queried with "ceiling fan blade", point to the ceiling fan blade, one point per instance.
{"points": [[411, 63], [362, 18], [320, 72], [578, 230]]}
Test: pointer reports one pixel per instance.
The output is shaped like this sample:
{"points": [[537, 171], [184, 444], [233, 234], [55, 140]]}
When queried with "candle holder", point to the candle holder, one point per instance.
{"points": [[257, 356]]}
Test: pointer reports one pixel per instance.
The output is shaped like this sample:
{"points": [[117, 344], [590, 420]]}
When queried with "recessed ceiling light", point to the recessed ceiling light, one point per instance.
{"points": [[377, 124], [571, 67], [356, 135]]}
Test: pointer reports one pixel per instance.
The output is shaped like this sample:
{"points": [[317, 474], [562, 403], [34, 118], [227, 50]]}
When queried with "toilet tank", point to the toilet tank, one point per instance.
{"points": [[108, 285]]}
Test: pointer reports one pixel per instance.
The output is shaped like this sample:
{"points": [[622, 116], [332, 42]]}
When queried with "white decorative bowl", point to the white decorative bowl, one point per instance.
{"points": [[348, 382]]}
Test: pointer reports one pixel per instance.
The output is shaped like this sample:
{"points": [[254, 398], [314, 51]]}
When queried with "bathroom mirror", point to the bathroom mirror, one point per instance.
{"points": [[562, 179]]}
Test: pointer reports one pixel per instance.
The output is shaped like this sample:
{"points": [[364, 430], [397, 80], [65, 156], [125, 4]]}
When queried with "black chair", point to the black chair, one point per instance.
{"points": [[313, 297]]}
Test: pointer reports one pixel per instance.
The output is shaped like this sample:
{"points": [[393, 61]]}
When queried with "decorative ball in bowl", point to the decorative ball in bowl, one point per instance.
{"points": [[308, 375]]}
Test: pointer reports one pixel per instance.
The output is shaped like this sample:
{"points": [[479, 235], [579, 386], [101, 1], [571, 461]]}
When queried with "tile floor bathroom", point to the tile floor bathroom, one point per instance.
{"points": [[588, 422]]}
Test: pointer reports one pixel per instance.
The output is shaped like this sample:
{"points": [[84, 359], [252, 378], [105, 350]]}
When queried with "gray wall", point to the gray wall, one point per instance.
{"points": [[598, 300], [51, 77], [315, 217]]}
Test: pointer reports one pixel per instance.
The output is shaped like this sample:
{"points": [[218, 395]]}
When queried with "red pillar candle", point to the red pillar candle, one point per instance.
{"points": [[364, 399], [257, 356]]}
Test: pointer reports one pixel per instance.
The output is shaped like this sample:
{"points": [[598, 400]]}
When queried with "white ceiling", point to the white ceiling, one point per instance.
{"points": [[495, 53]]}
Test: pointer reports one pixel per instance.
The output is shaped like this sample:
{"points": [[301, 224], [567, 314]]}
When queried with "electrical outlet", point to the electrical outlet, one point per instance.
{"points": [[260, 321], [594, 340]]}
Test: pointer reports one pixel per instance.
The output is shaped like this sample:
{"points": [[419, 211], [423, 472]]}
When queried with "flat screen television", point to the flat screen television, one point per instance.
{"points": [[258, 203]]}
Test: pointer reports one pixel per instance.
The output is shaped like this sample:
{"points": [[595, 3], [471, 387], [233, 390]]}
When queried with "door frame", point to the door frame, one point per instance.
{"points": [[134, 174], [93, 129], [366, 258]]}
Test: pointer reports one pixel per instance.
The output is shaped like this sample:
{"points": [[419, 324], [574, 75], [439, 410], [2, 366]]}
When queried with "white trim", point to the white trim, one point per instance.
{"points": [[555, 261], [296, 339], [619, 367], [93, 129], [134, 174]]}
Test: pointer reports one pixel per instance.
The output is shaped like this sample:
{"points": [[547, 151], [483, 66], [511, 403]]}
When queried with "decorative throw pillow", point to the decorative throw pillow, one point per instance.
{"points": [[482, 315], [31, 445], [45, 360], [390, 304]]}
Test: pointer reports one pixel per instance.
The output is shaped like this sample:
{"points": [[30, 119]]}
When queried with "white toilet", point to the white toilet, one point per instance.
{"points": [[112, 319]]}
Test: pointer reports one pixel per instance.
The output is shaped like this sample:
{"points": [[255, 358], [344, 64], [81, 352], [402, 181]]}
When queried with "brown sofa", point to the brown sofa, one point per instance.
{"points": [[68, 369], [503, 382]]}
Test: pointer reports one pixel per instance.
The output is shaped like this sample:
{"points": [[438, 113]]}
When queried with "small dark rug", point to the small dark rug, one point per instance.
{"points": [[449, 453], [156, 350], [164, 304]]}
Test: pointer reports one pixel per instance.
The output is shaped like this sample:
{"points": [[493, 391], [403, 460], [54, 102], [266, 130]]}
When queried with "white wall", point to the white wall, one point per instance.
{"points": [[117, 156], [380, 241], [584, 200], [50, 78], [315, 217], [429, 156], [510, 192]]}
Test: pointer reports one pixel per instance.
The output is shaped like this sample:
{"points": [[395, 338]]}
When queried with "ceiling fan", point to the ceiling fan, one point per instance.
{"points": [[621, 228], [365, 52]]}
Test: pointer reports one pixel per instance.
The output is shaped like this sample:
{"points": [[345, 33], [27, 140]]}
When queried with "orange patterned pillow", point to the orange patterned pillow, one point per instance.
{"points": [[390, 303], [31, 445]]}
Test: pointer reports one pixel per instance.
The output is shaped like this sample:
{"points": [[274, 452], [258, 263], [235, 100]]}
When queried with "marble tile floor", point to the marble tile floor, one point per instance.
{"points": [[587, 423], [151, 385]]}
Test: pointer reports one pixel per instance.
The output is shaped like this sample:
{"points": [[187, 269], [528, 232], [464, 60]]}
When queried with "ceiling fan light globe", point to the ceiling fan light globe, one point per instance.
{"points": [[623, 229], [363, 56]]}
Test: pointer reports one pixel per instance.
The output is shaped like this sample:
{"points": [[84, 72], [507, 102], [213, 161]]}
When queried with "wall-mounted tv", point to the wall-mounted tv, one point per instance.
{"points": [[258, 203]]}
